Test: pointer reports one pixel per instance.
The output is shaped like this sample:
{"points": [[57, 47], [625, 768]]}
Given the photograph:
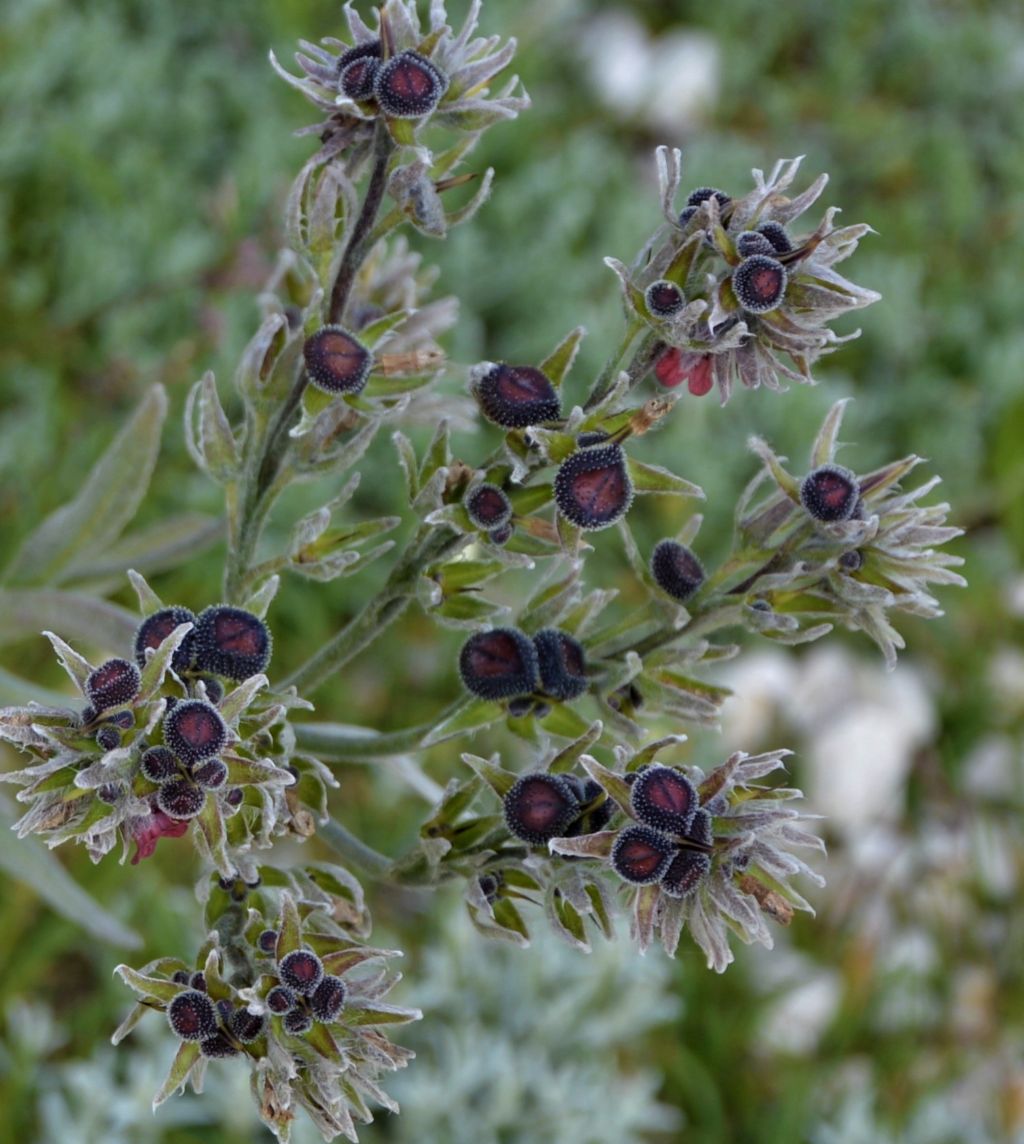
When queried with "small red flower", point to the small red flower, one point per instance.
{"points": [[676, 366], [147, 831]]}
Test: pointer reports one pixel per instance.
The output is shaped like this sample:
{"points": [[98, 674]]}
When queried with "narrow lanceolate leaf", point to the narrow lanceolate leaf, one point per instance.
{"points": [[25, 612], [148, 988], [107, 501], [558, 364], [566, 759], [476, 713], [380, 1014], [289, 933], [168, 544], [188, 1054], [499, 780], [655, 479], [30, 862], [75, 665], [155, 669]]}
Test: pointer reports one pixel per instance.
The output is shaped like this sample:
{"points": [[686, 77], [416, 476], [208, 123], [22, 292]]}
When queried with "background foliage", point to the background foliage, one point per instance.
{"points": [[144, 157]]}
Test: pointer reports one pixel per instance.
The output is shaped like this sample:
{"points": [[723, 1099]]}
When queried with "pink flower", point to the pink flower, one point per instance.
{"points": [[148, 830]]}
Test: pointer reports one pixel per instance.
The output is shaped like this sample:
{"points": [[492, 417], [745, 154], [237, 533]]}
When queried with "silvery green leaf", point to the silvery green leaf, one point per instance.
{"points": [[159, 660], [655, 479], [27, 611], [75, 665], [263, 597], [208, 434], [149, 601], [184, 1060], [106, 502], [14, 690], [468, 210], [168, 544], [237, 700]]}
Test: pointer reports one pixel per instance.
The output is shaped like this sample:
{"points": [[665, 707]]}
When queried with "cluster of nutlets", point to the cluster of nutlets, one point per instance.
{"points": [[542, 806], [505, 663], [405, 86], [221, 1028], [302, 993]]}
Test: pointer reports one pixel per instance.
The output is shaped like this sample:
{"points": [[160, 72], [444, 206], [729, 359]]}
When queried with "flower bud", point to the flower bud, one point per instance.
{"points": [[664, 798], [181, 977], [211, 775], [108, 738], [336, 361], [180, 799], [112, 683], [684, 873], [194, 731], [280, 1000], [235, 797], [408, 86], [356, 70], [702, 194], [776, 234], [297, 1022], [217, 1046], [192, 1016], [301, 970], [664, 299], [753, 242], [499, 664], [267, 941], [231, 642], [247, 1027], [563, 670], [488, 507], [159, 765], [540, 807], [759, 283], [592, 487], [641, 855], [676, 570], [830, 493], [515, 396], [328, 999], [500, 536], [156, 628]]}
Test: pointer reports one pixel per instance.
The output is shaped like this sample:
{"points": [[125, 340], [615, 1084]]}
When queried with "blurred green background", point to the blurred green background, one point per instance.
{"points": [[144, 156]]}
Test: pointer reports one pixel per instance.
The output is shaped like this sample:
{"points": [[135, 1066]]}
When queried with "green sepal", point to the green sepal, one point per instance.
{"points": [[567, 758], [655, 479], [379, 1014], [184, 1060], [473, 715], [497, 778], [564, 721], [149, 988], [289, 930], [558, 363]]}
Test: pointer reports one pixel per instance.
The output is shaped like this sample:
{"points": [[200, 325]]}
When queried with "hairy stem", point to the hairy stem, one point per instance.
{"points": [[638, 365], [363, 857], [331, 742]]}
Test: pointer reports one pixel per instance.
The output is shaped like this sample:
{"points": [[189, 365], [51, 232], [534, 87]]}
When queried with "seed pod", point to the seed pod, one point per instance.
{"points": [[563, 669], [499, 664], [217, 1046], [198, 981], [112, 683], [830, 493], [488, 507], [336, 361], [267, 941], [676, 570], [516, 396], [211, 775], [540, 807], [280, 1000], [685, 872], [192, 1016], [180, 799], [301, 970], [297, 1022], [664, 298], [356, 70], [664, 798], [754, 242], [159, 765], [408, 86], [500, 536], [641, 855], [231, 642], [328, 999], [156, 628], [235, 797], [108, 738], [247, 1027], [592, 487], [702, 194], [759, 283], [125, 720], [776, 234], [194, 731]]}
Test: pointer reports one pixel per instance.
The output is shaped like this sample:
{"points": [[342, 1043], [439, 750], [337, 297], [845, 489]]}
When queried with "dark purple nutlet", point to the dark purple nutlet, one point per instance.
{"points": [[192, 1016], [630, 777], [759, 283], [194, 731], [830, 493], [851, 561], [328, 999], [702, 194], [108, 738], [592, 487], [217, 1046], [541, 710], [211, 775], [664, 798], [490, 886], [488, 507], [684, 873], [88, 714], [214, 690], [246, 1026], [641, 855], [181, 977], [280, 1000], [112, 683], [753, 242], [110, 793], [301, 970], [516, 396], [267, 941], [408, 86], [591, 437], [156, 628], [234, 797], [499, 664], [298, 1021], [563, 669], [123, 719], [180, 799], [676, 570], [702, 831], [521, 706], [231, 642], [685, 215], [664, 299], [777, 235], [500, 536], [356, 70], [198, 981], [540, 807], [336, 361], [160, 765]]}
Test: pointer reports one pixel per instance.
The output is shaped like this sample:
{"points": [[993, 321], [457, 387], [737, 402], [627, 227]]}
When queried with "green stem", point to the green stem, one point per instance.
{"points": [[371, 862], [637, 368], [331, 743], [718, 614]]}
